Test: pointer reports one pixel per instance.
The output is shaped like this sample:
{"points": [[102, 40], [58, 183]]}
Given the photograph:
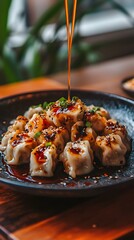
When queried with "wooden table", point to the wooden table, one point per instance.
{"points": [[107, 216]]}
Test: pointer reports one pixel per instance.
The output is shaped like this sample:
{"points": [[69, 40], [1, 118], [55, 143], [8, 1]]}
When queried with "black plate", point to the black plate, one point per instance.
{"points": [[130, 92], [120, 108]]}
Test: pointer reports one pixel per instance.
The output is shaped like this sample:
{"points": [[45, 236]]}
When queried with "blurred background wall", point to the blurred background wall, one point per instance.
{"points": [[33, 41]]}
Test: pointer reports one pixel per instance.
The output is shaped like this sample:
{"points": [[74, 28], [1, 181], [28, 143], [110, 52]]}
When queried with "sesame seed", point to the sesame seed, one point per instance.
{"points": [[95, 181], [116, 177]]}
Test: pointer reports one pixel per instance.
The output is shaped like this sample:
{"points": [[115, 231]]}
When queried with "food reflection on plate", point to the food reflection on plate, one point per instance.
{"points": [[65, 131], [128, 85]]}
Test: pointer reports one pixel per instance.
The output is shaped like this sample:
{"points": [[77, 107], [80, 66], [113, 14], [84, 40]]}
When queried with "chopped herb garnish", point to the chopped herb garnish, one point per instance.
{"points": [[63, 102], [37, 135], [88, 124], [49, 105], [62, 99], [74, 98], [48, 144], [94, 109], [35, 106], [45, 104]]}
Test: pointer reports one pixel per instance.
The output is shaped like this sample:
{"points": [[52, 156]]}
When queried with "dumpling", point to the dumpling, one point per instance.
{"points": [[80, 132], [110, 150], [34, 125], [77, 158], [19, 124], [9, 134], [32, 110], [64, 113], [43, 160], [112, 126], [19, 148], [99, 110], [58, 136], [97, 117]]}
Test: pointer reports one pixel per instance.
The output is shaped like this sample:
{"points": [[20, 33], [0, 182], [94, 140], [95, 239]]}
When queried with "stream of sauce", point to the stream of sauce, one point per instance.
{"points": [[70, 33]]}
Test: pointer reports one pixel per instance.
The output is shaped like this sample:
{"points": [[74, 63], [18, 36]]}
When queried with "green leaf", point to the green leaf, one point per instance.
{"points": [[25, 47], [43, 20], [8, 68], [4, 5], [93, 57], [32, 61], [47, 16], [36, 70], [9, 56], [123, 10]]}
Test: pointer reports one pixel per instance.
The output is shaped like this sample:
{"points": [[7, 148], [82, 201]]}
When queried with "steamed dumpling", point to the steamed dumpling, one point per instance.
{"points": [[110, 150], [19, 148], [97, 117], [43, 160], [58, 136], [32, 110], [34, 125], [17, 126], [64, 113], [77, 158], [112, 126], [80, 132]]}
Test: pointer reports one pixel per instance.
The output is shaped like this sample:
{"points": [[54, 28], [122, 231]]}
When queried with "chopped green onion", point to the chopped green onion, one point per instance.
{"points": [[88, 124], [45, 104], [62, 99], [94, 109], [37, 135], [74, 98], [49, 105], [35, 106], [63, 102], [48, 144]]}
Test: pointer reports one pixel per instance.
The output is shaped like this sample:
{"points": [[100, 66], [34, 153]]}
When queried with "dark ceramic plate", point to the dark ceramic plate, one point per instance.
{"points": [[120, 108], [130, 92]]}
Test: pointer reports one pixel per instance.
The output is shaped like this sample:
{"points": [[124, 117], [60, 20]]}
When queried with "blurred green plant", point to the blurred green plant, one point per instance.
{"points": [[47, 57]]}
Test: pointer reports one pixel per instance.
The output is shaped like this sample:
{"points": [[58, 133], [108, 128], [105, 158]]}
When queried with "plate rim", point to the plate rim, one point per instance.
{"points": [[65, 90], [42, 187]]}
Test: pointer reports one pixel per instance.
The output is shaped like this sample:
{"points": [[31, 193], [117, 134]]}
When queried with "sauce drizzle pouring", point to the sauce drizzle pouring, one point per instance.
{"points": [[70, 33]]}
